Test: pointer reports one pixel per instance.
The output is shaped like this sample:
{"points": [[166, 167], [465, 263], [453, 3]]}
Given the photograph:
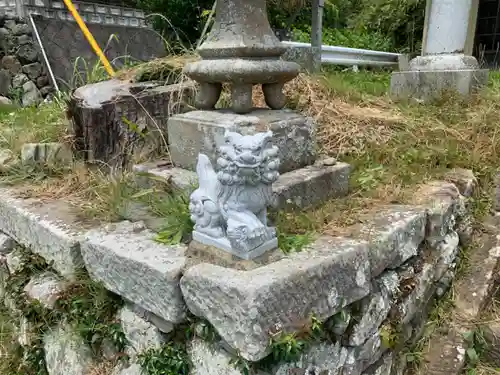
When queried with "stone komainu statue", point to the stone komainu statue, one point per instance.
{"points": [[230, 206]]}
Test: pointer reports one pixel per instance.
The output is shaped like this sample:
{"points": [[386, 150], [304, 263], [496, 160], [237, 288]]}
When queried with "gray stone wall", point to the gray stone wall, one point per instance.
{"points": [[23, 77], [371, 289], [64, 43]]}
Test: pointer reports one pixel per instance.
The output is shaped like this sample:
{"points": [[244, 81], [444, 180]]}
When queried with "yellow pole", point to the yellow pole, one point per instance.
{"points": [[89, 37]]}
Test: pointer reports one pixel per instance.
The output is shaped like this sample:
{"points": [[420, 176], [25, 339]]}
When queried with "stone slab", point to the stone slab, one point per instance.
{"points": [[394, 233], [197, 132], [301, 188], [126, 259], [49, 229], [246, 306], [430, 85]]}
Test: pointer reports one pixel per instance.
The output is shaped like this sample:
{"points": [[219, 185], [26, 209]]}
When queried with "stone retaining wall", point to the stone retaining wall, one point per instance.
{"points": [[23, 77], [354, 300]]}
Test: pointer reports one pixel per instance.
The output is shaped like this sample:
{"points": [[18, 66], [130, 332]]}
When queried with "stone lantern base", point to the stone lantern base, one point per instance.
{"points": [[429, 76]]}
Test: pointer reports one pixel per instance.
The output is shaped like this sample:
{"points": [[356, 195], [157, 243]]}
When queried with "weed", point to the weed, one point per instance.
{"points": [[389, 335], [170, 359], [476, 345], [294, 242]]}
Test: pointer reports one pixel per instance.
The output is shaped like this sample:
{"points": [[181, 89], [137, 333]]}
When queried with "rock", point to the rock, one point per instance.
{"points": [[24, 39], [440, 199], [394, 233], [209, 360], [5, 82], [55, 237], [46, 90], [339, 323], [10, 24], [27, 54], [46, 288], [245, 306], [31, 95], [7, 160], [133, 369], [381, 367], [11, 63], [19, 80], [374, 309], [140, 334], [15, 261], [66, 353], [162, 324], [21, 29], [33, 70], [42, 81], [361, 357], [320, 358], [4, 102], [52, 154], [128, 262], [7, 244], [464, 180], [4, 276]]}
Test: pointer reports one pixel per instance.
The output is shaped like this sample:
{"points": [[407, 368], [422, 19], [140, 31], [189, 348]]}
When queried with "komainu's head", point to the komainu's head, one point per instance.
{"points": [[248, 159]]}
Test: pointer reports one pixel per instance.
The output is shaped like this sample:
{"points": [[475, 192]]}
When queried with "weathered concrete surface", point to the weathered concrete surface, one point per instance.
{"points": [[66, 353], [300, 188], [441, 200], [203, 132], [140, 334], [394, 233], [126, 259], [430, 85], [49, 229], [245, 306]]}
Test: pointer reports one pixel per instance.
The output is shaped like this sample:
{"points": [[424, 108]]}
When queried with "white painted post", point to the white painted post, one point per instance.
{"points": [[446, 29]]}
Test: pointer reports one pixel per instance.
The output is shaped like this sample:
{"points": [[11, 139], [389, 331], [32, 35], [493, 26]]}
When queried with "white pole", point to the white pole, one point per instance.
{"points": [[35, 30]]}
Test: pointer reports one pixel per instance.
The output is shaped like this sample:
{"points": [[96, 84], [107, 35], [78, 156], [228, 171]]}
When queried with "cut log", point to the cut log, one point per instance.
{"points": [[117, 122]]}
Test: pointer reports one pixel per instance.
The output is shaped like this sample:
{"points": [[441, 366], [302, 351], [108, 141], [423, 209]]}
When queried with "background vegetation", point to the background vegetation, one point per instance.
{"points": [[392, 25]]}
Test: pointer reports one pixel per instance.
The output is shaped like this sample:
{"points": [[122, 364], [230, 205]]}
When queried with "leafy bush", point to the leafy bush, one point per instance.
{"points": [[348, 38]]}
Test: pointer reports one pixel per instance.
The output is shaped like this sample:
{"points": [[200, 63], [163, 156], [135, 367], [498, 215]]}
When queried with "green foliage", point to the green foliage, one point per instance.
{"points": [[86, 305], [294, 242], [91, 310], [476, 345], [177, 20], [353, 38], [170, 359], [400, 21]]}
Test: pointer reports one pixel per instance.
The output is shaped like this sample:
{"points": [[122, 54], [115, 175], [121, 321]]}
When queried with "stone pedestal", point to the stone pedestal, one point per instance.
{"points": [[197, 132], [443, 65]]}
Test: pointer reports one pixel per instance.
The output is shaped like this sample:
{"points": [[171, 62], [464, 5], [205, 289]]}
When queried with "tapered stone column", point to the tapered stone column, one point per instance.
{"points": [[443, 64], [241, 50]]}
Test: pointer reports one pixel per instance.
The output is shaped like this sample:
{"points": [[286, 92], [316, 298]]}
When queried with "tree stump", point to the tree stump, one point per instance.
{"points": [[116, 122]]}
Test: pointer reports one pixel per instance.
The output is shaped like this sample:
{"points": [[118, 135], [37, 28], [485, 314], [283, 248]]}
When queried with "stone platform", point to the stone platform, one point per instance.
{"points": [[304, 187], [381, 277], [197, 132]]}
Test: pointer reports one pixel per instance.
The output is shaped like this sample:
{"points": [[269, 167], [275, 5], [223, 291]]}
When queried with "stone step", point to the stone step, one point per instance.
{"points": [[301, 188]]}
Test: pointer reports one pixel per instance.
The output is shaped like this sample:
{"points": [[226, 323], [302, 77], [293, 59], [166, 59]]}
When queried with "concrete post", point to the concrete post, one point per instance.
{"points": [[317, 34], [443, 64]]}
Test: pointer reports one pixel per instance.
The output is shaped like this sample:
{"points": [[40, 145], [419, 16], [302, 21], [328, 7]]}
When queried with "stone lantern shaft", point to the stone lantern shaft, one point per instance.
{"points": [[241, 50]]}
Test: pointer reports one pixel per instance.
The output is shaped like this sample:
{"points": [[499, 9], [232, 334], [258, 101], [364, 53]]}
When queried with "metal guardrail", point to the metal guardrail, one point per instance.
{"points": [[352, 56]]}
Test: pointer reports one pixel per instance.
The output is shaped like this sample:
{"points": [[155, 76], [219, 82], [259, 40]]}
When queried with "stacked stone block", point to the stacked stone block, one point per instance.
{"points": [[372, 288], [23, 76]]}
